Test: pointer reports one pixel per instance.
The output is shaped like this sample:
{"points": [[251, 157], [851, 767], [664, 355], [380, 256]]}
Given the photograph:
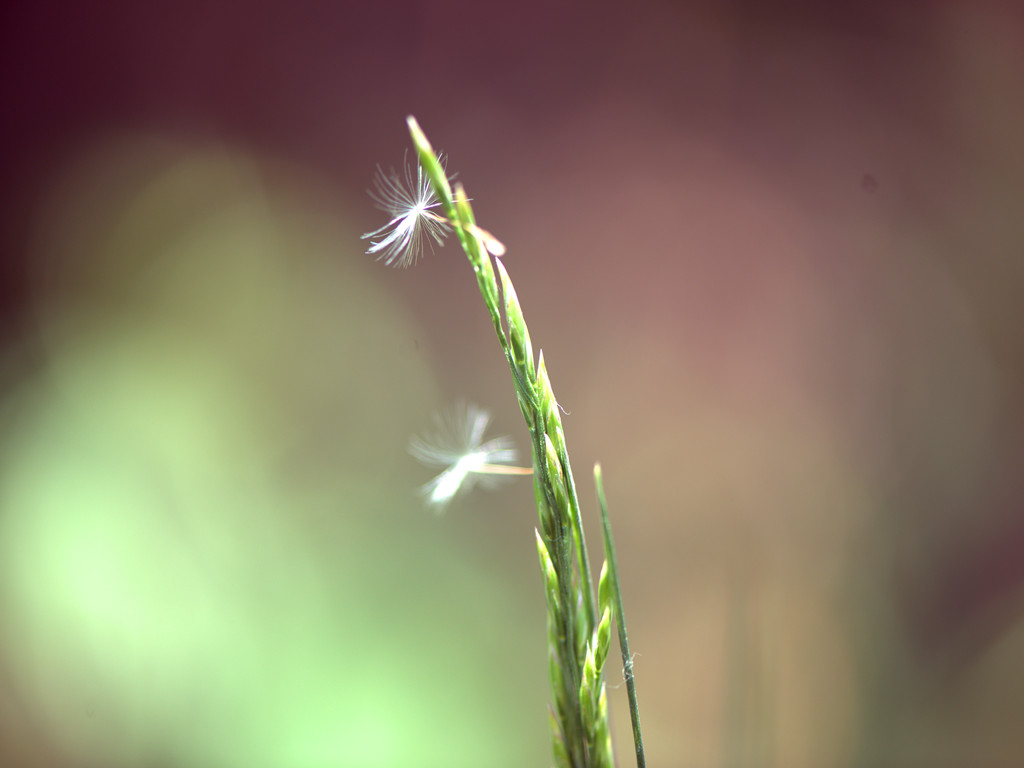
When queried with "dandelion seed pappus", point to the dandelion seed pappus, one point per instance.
{"points": [[457, 445], [410, 203]]}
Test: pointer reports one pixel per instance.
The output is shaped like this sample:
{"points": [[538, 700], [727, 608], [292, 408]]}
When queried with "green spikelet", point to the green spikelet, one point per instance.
{"points": [[579, 628]]}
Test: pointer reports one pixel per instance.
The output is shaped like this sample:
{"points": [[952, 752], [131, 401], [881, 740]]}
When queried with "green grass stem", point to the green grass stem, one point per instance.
{"points": [[578, 640], [620, 619]]}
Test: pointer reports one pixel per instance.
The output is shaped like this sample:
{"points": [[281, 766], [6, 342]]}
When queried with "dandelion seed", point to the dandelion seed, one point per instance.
{"points": [[410, 205], [458, 446]]}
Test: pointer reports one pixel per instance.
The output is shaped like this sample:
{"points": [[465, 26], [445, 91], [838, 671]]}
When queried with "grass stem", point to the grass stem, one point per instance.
{"points": [[620, 620]]}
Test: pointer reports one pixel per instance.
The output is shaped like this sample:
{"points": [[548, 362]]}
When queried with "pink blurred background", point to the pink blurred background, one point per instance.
{"points": [[772, 253]]}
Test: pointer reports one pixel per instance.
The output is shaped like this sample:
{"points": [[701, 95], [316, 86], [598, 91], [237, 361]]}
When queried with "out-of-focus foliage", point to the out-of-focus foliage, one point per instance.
{"points": [[210, 553]]}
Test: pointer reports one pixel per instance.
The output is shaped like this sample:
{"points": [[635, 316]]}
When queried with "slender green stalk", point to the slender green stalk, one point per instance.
{"points": [[579, 630], [620, 619]]}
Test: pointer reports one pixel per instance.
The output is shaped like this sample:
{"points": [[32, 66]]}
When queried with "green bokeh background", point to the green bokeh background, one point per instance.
{"points": [[212, 548]]}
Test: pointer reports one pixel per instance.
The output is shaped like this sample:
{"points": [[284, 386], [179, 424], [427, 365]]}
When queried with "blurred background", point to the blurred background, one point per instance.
{"points": [[772, 253]]}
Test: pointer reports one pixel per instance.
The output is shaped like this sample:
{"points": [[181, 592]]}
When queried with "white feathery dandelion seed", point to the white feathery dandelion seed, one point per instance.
{"points": [[458, 445], [410, 204]]}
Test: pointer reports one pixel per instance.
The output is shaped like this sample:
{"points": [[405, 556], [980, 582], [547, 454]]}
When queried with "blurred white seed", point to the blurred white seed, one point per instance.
{"points": [[457, 445]]}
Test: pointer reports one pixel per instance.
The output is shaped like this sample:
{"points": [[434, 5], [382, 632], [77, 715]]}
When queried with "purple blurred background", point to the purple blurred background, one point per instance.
{"points": [[772, 253]]}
